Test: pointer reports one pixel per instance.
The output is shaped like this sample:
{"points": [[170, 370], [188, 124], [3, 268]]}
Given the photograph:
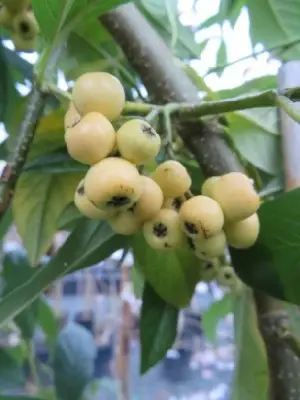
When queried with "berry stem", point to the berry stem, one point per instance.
{"points": [[18, 156]]}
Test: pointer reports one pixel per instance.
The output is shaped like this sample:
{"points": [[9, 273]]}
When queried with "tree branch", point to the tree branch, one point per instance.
{"points": [[167, 82], [18, 156], [267, 98]]}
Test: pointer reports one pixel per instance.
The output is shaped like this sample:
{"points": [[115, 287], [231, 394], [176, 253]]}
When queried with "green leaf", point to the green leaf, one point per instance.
{"points": [[18, 62], [255, 135], [275, 24], [47, 320], [254, 85], [49, 134], [9, 93], [38, 202], [73, 361], [195, 173], [55, 16], [272, 264], [18, 397], [138, 280], [158, 328], [55, 163], [16, 270], [172, 274], [274, 186], [90, 243], [70, 217], [212, 316], [251, 371], [11, 372], [163, 14], [221, 56]]}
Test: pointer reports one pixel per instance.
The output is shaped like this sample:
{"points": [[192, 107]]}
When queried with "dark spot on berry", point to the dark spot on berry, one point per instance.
{"points": [[132, 208], [81, 190], [24, 27], [191, 228], [190, 243], [167, 246], [208, 266], [148, 130], [227, 275], [177, 203], [160, 230], [118, 201]]}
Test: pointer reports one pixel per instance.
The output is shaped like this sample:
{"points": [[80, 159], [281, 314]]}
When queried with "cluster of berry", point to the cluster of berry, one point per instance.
{"points": [[18, 17], [160, 204]]}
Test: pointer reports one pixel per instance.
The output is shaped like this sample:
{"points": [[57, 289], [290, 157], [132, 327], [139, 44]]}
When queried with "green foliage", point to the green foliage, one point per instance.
{"points": [[38, 202], [73, 361], [275, 24], [251, 371], [172, 274], [55, 17], [212, 316], [16, 270], [255, 136], [20, 397], [138, 281], [164, 17], [47, 320], [158, 328], [8, 91], [251, 86], [11, 371], [88, 244], [271, 265]]}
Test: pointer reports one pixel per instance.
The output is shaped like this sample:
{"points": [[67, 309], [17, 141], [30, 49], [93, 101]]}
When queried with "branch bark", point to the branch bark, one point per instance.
{"points": [[167, 82], [18, 156]]}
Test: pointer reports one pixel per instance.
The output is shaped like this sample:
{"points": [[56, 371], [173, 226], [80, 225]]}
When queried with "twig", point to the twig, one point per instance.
{"points": [[267, 98], [18, 156], [282, 47]]}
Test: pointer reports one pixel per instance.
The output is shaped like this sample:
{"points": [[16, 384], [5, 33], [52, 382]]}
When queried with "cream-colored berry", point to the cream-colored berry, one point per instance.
{"points": [[173, 178], [163, 231], [243, 234], [201, 217], [91, 139], [235, 194], [99, 92], [86, 207], [150, 201], [113, 184], [138, 142], [125, 223]]}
